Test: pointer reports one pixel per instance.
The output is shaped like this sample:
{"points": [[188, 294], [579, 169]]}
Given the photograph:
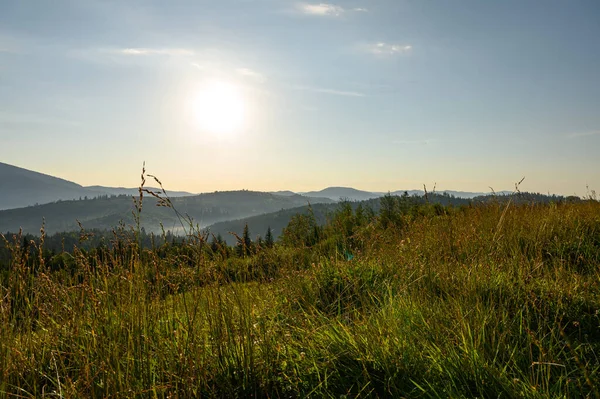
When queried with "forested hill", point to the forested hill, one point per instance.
{"points": [[107, 212], [341, 193], [134, 191], [277, 221], [21, 187]]}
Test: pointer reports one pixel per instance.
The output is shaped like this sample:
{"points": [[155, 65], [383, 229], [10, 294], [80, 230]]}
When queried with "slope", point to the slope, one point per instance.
{"points": [[21, 187], [107, 212]]}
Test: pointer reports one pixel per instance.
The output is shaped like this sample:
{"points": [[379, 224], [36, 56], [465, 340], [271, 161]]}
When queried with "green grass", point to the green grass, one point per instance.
{"points": [[486, 301]]}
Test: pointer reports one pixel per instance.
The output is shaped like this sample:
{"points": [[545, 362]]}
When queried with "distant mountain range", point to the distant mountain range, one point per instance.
{"points": [[259, 224], [343, 193], [21, 187], [134, 191], [352, 194], [108, 212], [277, 221], [28, 198]]}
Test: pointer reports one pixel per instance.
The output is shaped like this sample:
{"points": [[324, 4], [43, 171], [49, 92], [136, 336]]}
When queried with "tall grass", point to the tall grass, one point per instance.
{"points": [[482, 301]]}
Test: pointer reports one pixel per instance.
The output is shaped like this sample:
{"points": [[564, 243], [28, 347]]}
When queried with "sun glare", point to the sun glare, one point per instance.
{"points": [[219, 109]]}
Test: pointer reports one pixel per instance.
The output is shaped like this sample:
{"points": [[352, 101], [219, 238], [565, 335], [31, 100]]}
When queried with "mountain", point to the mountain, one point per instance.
{"points": [[107, 212], [277, 221], [134, 191], [352, 194], [337, 193], [409, 192], [259, 224], [457, 194], [21, 187], [285, 193]]}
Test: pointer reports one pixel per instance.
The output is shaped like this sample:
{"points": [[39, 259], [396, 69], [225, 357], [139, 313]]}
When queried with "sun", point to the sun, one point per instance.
{"points": [[219, 108]]}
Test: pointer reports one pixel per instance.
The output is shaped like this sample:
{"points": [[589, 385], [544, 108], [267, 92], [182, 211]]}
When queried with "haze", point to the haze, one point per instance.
{"points": [[377, 95]]}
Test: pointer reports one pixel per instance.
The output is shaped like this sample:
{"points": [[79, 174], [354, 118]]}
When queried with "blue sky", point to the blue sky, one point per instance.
{"points": [[375, 94]]}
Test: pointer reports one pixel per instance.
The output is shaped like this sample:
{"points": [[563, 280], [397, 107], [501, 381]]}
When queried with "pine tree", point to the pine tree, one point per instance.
{"points": [[389, 214], [247, 241], [215, 244], [269, 241], [244, 247]]}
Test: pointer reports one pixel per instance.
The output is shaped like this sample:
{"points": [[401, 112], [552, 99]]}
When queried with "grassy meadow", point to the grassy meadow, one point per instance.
{"points": [[418, 301]]}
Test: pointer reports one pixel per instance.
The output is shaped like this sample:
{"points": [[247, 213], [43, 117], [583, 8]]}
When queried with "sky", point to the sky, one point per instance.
{"points": [[379, 95]]}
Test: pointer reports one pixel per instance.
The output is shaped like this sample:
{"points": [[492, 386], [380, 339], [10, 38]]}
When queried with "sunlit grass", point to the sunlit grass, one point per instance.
{"points": [[461, 303]]}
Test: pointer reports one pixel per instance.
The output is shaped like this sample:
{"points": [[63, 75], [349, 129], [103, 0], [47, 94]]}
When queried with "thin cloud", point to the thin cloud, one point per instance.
{"points": [[19, 120], [583, 134], [329, 91], [129, 55], [417, 141], [219, 68], [153, 51], [382, 48], [326, 9], [251, 74], [322, 9]]}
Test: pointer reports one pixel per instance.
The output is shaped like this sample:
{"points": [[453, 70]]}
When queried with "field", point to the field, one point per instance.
{"points": [[417, 301]]}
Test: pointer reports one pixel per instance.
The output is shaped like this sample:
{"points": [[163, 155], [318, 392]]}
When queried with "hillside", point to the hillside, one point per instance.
{"points": [[259, 224], [285, 193], [457, 194], [352, 194], [106, 212], [134, 191], [21, 187], [337, 193], [456, 301]]}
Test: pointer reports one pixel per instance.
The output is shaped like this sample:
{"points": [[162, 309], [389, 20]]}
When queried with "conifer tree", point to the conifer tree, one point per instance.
{"points": [[244, 247], [269, 241]]}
